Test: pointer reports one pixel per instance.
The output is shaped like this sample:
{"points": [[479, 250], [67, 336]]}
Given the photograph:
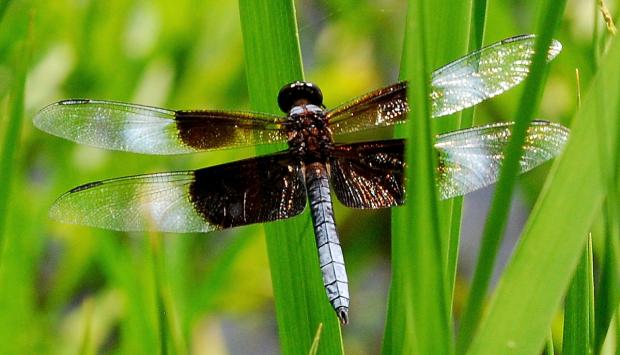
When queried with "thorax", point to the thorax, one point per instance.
{"points": [[309, 137]]}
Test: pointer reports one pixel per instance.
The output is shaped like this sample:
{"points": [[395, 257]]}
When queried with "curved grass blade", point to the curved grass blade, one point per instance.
{"points": [[498, 213], [555, 234]]}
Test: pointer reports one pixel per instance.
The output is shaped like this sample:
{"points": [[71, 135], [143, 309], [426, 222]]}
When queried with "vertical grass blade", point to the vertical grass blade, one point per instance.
{"points": [[418, 320], [272, 58], [449, 43], [608, 292], [555, 234], [478, 21], [500, 206], [13, 128], [548, 349], [398, 324], [578, 308], [170, 335], [18, 307], [478, 10]]}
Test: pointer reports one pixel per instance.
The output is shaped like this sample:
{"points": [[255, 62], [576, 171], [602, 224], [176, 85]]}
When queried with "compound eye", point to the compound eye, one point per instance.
{"points": [[299, 93]]}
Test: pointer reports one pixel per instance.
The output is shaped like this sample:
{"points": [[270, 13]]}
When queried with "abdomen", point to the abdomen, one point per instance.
{"points": [[330, 254]]}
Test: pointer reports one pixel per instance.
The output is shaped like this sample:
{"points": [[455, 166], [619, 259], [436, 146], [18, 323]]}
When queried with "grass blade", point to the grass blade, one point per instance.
{"points": [[314, 348], [498, 213], [548, 349], [476, 37], [451, 42], [608, 292], [418, 298], [578, 308], [272, 58], [13, 130], [555, 234]]}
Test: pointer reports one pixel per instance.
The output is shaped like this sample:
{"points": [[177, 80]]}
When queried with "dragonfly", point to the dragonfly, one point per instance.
{"points": [[362, 175]]}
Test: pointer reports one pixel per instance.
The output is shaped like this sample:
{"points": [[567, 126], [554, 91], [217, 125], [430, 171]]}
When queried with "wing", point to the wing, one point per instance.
{"points": [[461, 84], [151, 130], [381, 108], [370, 175], [470, 159], [244, 192], [484, 73]]}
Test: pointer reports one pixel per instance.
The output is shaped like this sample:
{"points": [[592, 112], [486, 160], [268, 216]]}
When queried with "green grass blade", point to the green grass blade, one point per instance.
{"points": [[13, 128], [500, 206], [18, 308], [272, 58], [548, 349], [616, 335], [476, 36], [418, 320], [399, 319], [555, 234], [608, 292], [478, 22], [314, 348], [450, 42], [577, 308], [170, 333]]}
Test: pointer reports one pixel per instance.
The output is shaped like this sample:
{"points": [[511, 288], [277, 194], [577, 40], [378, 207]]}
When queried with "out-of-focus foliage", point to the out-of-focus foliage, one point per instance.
{"points": [[70, 289]]}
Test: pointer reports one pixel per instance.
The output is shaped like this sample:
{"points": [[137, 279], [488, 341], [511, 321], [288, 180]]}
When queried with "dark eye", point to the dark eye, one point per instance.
{"points": [[297, 93]]}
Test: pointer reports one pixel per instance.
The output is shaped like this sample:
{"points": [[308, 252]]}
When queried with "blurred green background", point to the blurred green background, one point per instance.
{"points": [[69, 289]]}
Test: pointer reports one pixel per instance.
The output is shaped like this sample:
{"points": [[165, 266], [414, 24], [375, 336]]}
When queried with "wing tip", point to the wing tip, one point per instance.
{"points": [[58, 212], [555, 125], [48, 116], [59, 209], [554, 49]]}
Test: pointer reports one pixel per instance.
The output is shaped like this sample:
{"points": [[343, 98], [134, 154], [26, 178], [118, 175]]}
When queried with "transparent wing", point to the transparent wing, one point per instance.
{"points": [[461, 84], [471, 159], [151, 130], [370, 175], [483, 74], [239, 193]]}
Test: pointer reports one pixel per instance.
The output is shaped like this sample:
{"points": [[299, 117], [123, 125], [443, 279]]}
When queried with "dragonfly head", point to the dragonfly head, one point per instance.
{"points": [[299, 93]]}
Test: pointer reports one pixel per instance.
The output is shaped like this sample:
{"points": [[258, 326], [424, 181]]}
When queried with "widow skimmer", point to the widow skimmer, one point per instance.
{"points": [[365, 175]]}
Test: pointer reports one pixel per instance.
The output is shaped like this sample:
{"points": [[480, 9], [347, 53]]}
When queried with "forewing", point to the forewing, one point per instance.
{"points": [[471, 159], [368, 175], [461, 84], [380, 108], [484, 73], [239, 193], [151, 130]]}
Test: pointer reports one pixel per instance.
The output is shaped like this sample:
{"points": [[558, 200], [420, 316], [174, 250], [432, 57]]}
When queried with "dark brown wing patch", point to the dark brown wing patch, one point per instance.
{"points": [[204, 130], [249, 191], [368, 175], [380, 108]]}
